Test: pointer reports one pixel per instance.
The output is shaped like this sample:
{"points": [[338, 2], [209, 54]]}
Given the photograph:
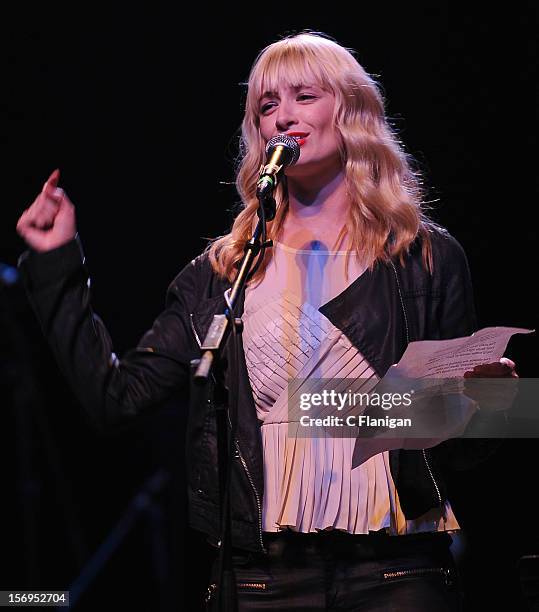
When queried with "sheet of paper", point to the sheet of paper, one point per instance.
{"points": [[451, 358], [426, 361]]}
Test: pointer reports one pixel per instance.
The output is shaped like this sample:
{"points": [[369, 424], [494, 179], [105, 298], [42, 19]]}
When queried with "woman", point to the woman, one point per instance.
{"points": [[356, 272]]}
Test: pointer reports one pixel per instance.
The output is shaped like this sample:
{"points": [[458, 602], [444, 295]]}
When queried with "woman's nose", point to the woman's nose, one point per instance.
{"points": [[285, 117]]}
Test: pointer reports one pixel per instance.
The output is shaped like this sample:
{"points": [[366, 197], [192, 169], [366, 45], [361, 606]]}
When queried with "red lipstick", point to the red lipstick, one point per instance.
{"points": [[300, 137]]}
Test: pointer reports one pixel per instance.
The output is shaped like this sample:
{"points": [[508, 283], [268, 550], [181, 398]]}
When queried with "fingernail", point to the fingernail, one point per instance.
{"points": [[53, 178]]}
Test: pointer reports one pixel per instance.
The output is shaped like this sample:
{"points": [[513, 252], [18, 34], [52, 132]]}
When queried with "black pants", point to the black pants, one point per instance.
{"points": [[333, 570]]}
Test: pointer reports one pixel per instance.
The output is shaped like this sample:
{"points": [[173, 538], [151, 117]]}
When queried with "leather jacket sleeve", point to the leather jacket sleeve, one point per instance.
{"points": [[111, 389], [456, 318]]}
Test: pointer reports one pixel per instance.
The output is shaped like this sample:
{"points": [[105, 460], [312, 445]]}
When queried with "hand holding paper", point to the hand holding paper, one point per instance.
{"points": [[440, 408]]}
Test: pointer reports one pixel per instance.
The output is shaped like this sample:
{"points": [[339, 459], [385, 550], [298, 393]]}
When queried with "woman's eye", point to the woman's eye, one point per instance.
{"points": [[266, 107], [306, 96]]}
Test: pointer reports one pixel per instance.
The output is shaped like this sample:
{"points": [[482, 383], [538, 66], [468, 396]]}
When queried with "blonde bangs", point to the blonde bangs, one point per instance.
{"points": [[292, 65]]}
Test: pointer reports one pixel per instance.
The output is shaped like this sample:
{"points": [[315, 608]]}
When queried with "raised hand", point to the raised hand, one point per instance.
{"points": [[50, 221]]}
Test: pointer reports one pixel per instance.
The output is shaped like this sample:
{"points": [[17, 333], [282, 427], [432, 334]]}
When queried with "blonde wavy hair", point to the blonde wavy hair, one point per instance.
{"points": [[386, 213]]}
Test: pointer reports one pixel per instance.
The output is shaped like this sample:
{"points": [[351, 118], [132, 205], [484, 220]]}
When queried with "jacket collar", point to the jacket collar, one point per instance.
{"points": [[370, 312]]}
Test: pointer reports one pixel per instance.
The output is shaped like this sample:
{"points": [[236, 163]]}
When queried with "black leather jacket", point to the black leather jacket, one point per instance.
{"points": [[380, 313]]}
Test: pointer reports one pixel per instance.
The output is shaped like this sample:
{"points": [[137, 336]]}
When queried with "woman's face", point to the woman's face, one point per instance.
{"points": [[306, 113]]}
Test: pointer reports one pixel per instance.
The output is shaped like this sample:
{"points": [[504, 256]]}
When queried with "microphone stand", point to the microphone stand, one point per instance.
{"points": [[222, 595]]}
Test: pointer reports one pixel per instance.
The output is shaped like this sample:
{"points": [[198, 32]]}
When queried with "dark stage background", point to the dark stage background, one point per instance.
{"points": [[140, 109]]}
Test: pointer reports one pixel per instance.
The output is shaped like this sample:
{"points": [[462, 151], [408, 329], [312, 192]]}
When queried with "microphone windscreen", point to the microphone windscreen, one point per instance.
{"points": [[290, 144]]}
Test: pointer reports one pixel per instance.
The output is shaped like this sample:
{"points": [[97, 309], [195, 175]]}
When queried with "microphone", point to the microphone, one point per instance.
{"points": [[281, 151]]}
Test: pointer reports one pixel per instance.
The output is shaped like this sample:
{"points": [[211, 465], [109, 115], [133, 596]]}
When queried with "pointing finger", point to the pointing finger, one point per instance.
{"points": [[52, 182]]}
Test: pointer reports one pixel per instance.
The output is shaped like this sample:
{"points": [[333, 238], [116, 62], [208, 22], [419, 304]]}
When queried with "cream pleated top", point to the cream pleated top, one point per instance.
{"points": [[309, 484]]}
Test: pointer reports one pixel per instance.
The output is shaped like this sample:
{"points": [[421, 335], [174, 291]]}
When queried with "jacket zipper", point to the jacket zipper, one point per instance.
{"points": [[261, 586], [442, 507], [408, 342], [445, 572], [239, 456], [242, 460], [212, 588], [210, 592], [258, 505]]}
